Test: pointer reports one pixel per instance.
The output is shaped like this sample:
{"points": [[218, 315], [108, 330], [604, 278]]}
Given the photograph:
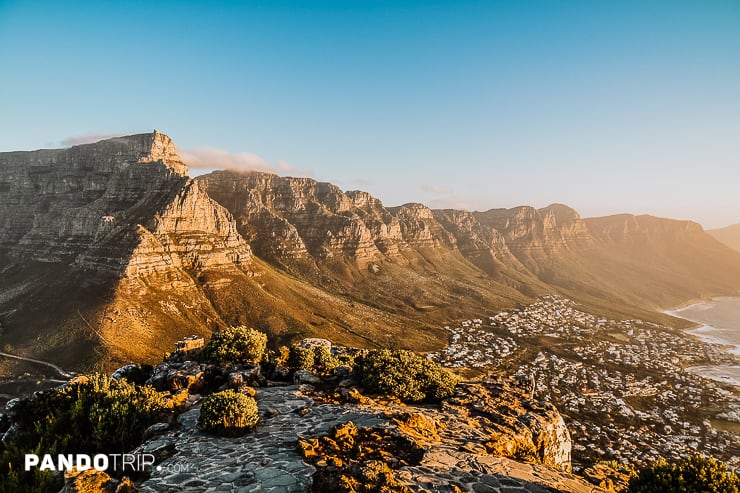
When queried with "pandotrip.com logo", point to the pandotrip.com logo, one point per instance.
{"points": [[102, 462]]}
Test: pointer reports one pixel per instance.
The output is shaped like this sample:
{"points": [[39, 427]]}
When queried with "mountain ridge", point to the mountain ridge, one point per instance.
{"points": [[144, 255]]}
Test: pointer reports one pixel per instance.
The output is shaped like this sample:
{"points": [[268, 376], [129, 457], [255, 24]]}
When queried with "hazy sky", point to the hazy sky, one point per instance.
{"points": [[608, 106]]}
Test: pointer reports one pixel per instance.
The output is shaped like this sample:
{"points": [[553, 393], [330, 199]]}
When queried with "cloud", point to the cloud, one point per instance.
{"points": [[87, 139], [437, 189], [215, 158], [211, 157]]}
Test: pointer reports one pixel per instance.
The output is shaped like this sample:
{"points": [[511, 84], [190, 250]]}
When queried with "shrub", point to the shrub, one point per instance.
{"points": [[692, 475], [228, 413], [324, 361], [236, 345], [301, 358], [404, 374], [318, 358], [95, 414], [282, 356]]}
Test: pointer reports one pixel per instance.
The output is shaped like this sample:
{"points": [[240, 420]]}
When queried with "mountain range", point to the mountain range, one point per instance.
{"points": [[110, 252]]}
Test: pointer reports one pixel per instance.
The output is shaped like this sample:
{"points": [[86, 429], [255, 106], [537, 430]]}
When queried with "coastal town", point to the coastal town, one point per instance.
{"points": [[624, 387]]}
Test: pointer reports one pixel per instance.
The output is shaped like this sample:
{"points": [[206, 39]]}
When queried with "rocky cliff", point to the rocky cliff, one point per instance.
{"points": [[403, 260], [619, 264], [87, 230], [109, 252], [121, 205]]}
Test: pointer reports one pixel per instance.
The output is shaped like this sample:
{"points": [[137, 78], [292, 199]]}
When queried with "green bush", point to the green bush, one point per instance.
{"points": [[228, 413], [95, 414], [695, 474], [301, 358], [404, 374], [236, 345], [319, 359], [324, 361]]}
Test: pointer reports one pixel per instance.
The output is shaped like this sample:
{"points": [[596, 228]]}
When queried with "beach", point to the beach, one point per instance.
{"points": [[720, 319]]}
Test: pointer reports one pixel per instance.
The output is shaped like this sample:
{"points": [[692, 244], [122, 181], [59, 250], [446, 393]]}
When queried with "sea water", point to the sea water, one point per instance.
{"points": [[720, 319]]}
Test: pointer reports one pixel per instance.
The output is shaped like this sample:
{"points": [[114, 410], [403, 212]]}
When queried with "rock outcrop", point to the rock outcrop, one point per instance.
{"points": [[124, 204], [537, 236], [303, 444], [305, 217], [95, 233], [142, 255]]}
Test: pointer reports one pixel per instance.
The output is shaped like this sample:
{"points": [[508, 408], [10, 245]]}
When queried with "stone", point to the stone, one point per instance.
{"points": [[124, 371], [306, 377], [189, 419], [88, 481], [11, 404], [314, 342], [155, 429]]}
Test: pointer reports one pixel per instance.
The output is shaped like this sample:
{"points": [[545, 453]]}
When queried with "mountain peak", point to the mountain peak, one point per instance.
{"points": [[148, 147], [561, 212]]}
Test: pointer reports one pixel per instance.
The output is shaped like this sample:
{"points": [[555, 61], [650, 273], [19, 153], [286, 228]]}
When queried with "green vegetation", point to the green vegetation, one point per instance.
{"points": [[695, 474], [95, 414], [228, 413], [301, 358], [404, 374], [319, 359], [236, 345]]}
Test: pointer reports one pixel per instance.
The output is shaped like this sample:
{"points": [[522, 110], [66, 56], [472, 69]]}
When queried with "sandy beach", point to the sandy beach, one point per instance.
{"points": [[720, 319]]}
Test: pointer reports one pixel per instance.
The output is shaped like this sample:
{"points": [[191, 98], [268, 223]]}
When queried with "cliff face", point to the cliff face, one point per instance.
{"points": [[663, 261], [87, 236], [408, 260], [123, 204], [305, 217], [341, 236], [537, 236], [112, 246]]}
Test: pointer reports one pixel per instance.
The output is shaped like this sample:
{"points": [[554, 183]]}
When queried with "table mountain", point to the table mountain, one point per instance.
{"points": [[109, 253]]}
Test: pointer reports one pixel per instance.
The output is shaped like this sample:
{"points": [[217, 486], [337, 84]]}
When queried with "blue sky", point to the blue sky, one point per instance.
{"points": [[606, 106]]}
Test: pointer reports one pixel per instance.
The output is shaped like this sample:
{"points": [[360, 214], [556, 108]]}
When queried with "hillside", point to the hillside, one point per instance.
{"points": [[109, 253], [729, 235]]}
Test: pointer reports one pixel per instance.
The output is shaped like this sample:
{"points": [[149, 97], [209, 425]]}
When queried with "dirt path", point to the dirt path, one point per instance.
{"points": [[61, 372]]}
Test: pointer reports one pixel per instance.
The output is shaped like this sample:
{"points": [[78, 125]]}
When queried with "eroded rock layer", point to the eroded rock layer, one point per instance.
{"points": [[109, 252]]}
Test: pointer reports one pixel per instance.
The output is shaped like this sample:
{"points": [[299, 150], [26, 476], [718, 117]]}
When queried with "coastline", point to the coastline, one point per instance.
{"points": [[728, 374]]}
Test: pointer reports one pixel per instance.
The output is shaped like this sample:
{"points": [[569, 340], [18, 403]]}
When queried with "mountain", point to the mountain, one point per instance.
{"points": [[104, 245], [729, 235], [109, 253]]}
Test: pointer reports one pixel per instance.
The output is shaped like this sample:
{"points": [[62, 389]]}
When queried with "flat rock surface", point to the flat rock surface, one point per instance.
{"points": [[266, 460]]}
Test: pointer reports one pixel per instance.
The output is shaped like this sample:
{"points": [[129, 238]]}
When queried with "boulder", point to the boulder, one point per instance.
{"points": [[314, 342], [94, 481], [301, 377]]}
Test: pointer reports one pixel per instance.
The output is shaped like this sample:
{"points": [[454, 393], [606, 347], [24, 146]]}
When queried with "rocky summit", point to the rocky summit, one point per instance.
{"points": [[490, 436], [109, 253]]}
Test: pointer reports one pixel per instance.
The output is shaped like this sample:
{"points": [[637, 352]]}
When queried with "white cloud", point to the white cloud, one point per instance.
{"points": [[88, 138], [210, 158]]}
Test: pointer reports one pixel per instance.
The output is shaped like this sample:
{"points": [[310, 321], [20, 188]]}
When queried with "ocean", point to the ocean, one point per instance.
{"points": [[720, 319]]}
